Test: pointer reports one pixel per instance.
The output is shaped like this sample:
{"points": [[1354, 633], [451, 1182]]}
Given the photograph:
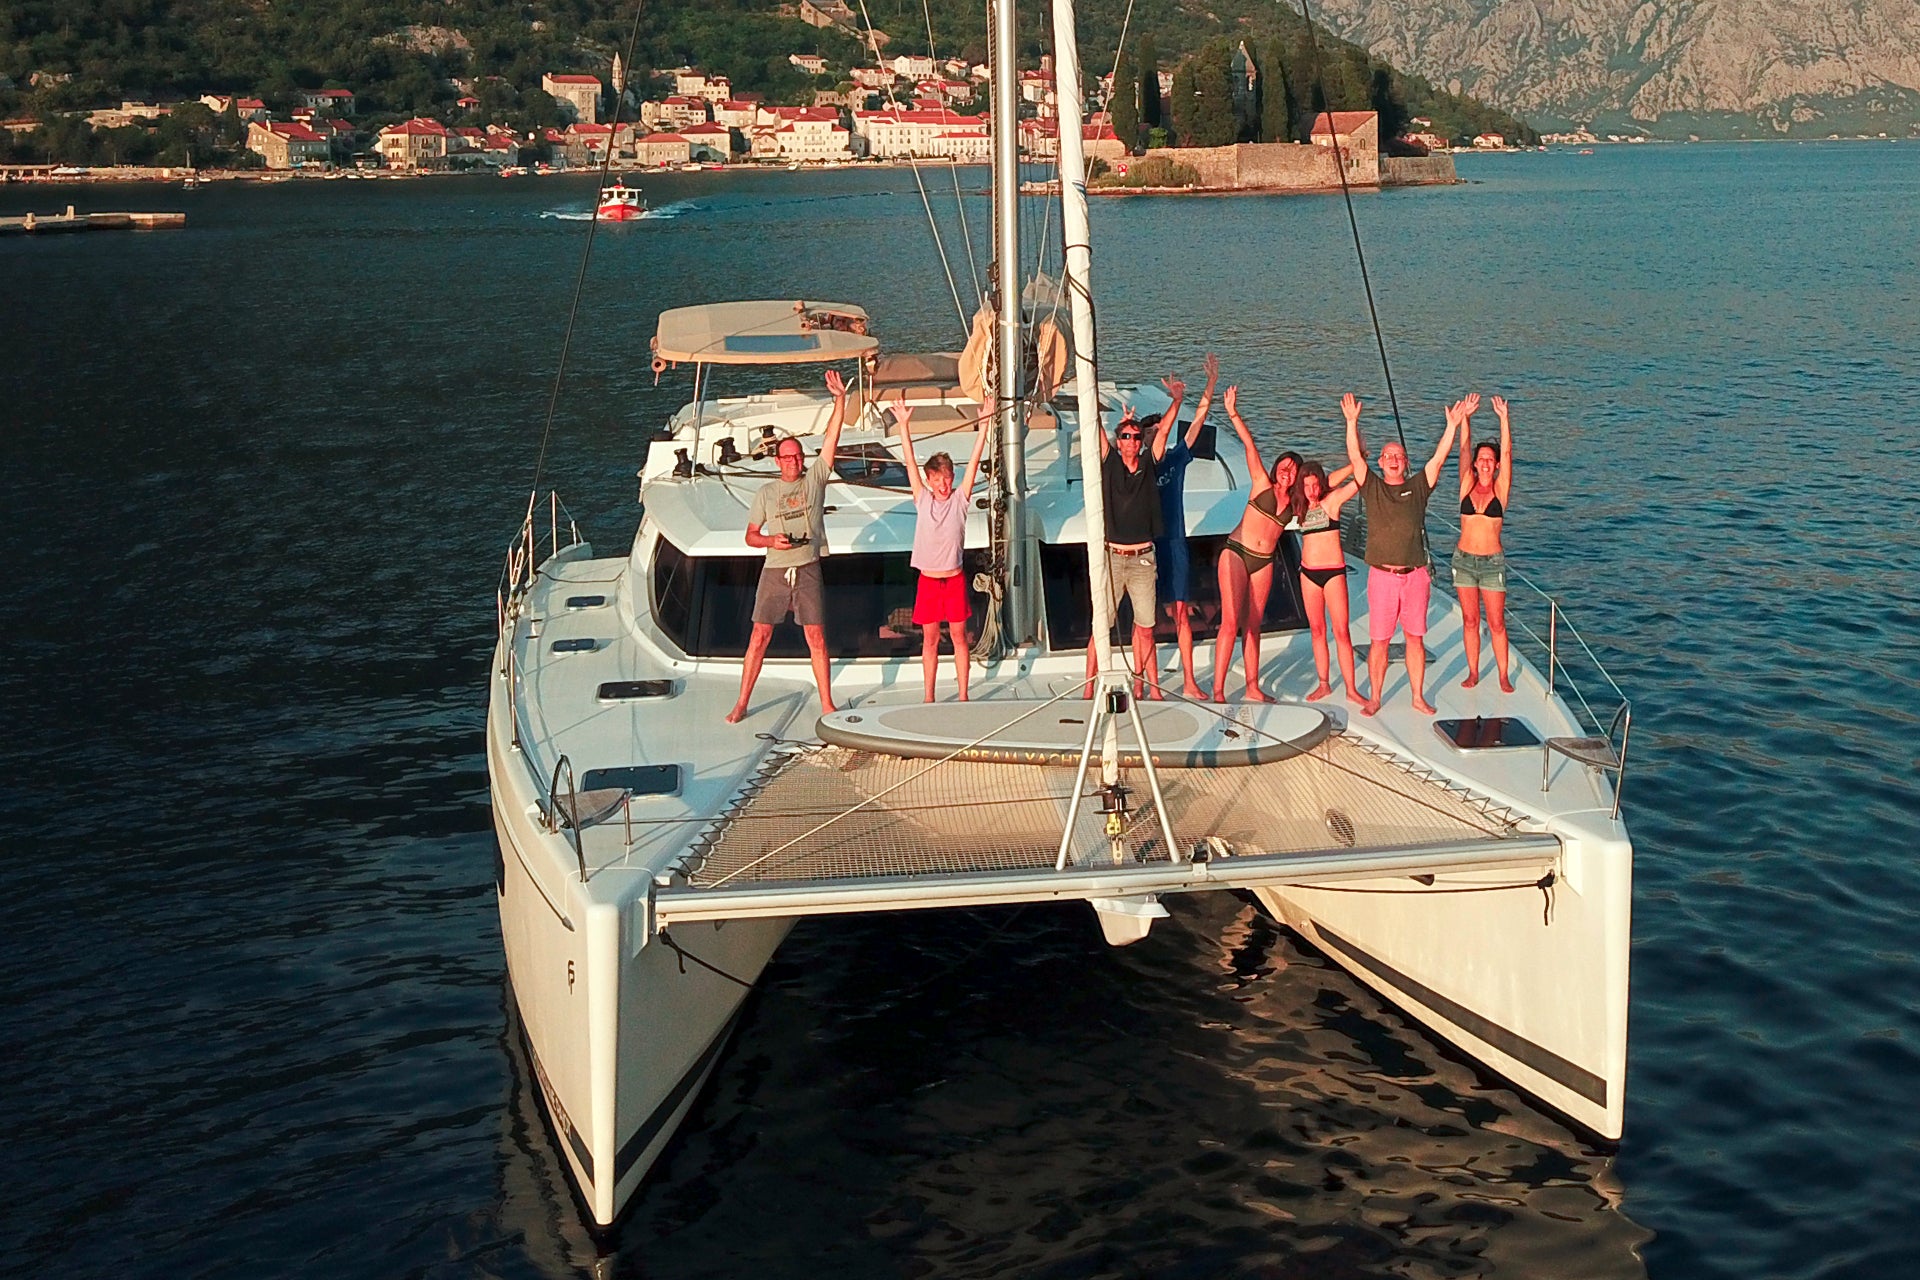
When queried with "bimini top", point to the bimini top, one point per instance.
{"points": [[763, 333]]}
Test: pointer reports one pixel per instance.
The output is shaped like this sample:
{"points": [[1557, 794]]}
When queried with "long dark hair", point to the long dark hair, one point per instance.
{"points": [[1298, 499]]}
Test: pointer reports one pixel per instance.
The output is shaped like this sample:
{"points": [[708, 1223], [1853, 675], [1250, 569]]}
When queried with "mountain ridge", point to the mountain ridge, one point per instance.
{"points": [[1667, 68]]}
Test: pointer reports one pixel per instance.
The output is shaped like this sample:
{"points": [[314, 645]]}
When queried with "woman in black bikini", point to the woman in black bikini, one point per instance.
{"points": [[1323, 572], [1479, 562], [1245, 567]]}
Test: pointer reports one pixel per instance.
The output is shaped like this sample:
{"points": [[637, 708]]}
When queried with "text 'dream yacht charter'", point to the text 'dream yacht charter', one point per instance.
{"points": [[652, 856]]}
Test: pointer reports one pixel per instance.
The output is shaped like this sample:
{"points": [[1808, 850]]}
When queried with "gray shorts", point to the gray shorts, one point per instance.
{"points": [[1132, 577], [802, 597], [1481, 573]]}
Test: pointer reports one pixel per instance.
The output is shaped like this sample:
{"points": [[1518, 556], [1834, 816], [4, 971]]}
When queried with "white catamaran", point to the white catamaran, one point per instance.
{"points": [[652, 857]]}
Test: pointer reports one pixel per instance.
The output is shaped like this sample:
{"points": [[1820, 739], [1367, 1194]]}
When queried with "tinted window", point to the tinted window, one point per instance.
{"points": [[1063, 570], [705, 604]]}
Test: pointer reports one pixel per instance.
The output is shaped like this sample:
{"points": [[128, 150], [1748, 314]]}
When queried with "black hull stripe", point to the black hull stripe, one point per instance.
{"points": [[1548, 1063], [650, 1128]]}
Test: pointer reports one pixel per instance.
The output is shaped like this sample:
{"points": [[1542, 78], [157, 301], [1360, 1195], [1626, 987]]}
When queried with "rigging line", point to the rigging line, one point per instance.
{"points": [[925, 203], [1340, 166], [580, 281], [959, 208], [686, 955]]}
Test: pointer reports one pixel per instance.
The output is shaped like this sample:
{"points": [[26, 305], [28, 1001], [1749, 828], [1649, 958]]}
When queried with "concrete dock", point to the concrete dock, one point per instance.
{"points": [[71, 221]]}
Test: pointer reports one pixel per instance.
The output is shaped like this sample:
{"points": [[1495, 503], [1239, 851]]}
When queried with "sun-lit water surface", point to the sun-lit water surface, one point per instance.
{"points": [[260, 471]]}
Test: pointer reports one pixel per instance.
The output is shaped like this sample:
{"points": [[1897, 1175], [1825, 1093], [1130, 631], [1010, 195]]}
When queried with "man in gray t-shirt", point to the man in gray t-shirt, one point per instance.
{"points": [[788, 521]]}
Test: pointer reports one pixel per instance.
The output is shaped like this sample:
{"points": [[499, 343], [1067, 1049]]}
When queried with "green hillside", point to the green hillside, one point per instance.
{"points": [[407, 57]]}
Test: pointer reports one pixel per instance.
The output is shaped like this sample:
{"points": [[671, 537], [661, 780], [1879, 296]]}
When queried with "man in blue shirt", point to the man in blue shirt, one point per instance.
{"points": [[1173, 586]]}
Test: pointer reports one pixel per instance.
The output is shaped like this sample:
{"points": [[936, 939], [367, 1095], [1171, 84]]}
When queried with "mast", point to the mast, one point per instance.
{"points": [[1074, 279], [1022, 581]]}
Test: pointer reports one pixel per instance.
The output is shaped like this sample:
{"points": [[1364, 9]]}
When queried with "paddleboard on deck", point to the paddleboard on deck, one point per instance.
{"points": [[1034, 731]]}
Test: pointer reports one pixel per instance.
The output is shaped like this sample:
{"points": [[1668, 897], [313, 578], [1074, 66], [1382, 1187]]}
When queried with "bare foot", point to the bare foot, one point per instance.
{"points": [[1370, 707], [1506, 685], [827, 708], [738, 714], [1192, 690], [1320, 691], [1473, 678], [1220, 696], [1422, 706], [1257, 694], [962, 697], [928, 698]]}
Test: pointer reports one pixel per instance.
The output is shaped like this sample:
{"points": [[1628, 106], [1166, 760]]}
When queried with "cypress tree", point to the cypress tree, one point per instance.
{"points": [[1125, 103], [1278, 105], [1149, 59], [1212, 72], [1386, 103], [1180, 105]]}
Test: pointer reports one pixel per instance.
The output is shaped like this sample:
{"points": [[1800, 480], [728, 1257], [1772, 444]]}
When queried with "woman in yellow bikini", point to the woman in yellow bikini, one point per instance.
{"points": [[1245, 567]]}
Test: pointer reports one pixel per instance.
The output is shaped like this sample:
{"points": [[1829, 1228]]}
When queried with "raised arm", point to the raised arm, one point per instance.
{"points": [[1106, 445], [1466, 456], [1340, 476], [1503, 483], [1339, 496], [903, 418], [1164, 431], [1206, 399], [1256, 469], [1350, 407], [1456, 415], [830, 442], [979, 449]]}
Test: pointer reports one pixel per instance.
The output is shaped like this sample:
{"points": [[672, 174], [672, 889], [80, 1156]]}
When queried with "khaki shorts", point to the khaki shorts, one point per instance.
{"points": [[1132, 577], [801, 595]]}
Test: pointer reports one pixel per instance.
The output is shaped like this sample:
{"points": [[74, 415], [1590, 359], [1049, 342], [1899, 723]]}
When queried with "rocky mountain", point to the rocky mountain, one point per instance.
{"points": [[1667, 68]]}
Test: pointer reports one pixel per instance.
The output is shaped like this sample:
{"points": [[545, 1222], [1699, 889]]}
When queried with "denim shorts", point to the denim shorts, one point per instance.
{"points": [[1483, 573]]}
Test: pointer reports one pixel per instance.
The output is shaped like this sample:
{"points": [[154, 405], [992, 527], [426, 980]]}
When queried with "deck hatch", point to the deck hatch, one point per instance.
{"points": [[576, 644], [585, 602], [1485, 733], [628, 690], [635, 779]]}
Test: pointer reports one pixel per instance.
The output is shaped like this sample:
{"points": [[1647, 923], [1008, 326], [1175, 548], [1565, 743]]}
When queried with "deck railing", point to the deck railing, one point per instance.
{"points": [[518, 573], [1537, 623]]}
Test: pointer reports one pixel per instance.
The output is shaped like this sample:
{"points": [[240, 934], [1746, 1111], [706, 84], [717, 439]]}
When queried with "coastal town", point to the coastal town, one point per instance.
{"points": [[910, 108]]}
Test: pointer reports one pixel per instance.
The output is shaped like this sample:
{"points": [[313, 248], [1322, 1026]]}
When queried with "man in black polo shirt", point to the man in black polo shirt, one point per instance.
{"points": [[1133, 522]]}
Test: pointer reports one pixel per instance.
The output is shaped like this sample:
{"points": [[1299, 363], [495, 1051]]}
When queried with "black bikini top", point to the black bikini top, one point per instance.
{"points": [[1494, 510], [1267, 503]]}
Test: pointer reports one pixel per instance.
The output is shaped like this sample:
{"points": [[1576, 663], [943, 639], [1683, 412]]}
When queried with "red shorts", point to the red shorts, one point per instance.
{"points": [[941, 600]]}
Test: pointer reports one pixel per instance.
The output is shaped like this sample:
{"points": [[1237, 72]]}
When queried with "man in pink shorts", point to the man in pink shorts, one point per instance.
{"points": [[1398, 580]]}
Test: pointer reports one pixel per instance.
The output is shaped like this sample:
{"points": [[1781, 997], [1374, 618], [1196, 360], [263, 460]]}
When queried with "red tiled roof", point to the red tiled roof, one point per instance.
{"points": [[294, 132], [335, 94], [1342, 121], [662, 137], [929, 115], [593, 130], [416, 128], [705, 129], [572, 79], [249, 104]]}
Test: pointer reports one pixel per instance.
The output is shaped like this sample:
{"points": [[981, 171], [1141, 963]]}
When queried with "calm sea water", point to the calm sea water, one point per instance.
{"points": [[259, 473]]}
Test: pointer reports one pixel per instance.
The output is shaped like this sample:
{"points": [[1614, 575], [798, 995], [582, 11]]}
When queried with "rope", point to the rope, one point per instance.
{"points": [[939, 246], [580, 280], [686, 955], [1340, 164]]}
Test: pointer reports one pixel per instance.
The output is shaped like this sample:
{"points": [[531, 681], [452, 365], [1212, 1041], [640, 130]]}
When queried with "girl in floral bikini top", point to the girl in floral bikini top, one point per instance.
{"points": [[1323, 573]]}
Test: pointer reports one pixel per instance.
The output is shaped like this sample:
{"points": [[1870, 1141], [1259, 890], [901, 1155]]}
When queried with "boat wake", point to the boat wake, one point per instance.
{"points": [[666, 211]]}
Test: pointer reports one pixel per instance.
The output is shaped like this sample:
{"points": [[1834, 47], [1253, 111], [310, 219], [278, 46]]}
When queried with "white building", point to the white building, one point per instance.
{"points": [[578, 95], [801, 133], [924, 134], [811, 63], [910, 66]]}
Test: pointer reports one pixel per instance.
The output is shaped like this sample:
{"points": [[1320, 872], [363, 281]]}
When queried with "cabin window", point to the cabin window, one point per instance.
{"points": [[1063, 573], [704, 604]]}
